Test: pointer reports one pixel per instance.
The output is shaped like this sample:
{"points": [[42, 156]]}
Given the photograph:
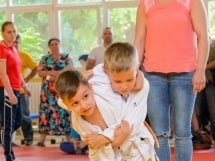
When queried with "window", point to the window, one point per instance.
{"points": [[2, 17], [123, 22], [29, 2], [78, 23], [119, 0], [211, 15], [33, 28], [72, 1], [79, 31], [2, 3]]}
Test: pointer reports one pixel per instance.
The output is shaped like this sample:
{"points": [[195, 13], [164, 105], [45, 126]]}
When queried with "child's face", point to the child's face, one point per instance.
{"points": [[123, 82], [83, 103]]}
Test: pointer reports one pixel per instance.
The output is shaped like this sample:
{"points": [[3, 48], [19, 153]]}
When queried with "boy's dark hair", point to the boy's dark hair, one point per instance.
{"points": [[68, 82]]}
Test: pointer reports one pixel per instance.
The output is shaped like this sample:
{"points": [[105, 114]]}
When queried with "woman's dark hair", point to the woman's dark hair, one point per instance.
{"points": [[54, 38], [5, 24]]}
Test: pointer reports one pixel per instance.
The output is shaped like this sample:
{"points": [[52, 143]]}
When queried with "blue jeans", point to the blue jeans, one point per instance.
{"points": [[27, 128], [171, 91]]}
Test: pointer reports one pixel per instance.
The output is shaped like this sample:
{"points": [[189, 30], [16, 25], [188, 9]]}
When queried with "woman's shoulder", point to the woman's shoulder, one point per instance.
{"points": [[44, 58], [64, 55], [147, 4]]}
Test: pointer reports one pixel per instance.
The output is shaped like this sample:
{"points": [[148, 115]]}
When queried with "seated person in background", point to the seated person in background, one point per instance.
{"points": [[117, 100], [96, 56], [76, 146], [204, 113]]}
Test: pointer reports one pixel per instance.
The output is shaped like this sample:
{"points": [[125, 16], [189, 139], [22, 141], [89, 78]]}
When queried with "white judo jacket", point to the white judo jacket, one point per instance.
{"points": [[114, 108]]}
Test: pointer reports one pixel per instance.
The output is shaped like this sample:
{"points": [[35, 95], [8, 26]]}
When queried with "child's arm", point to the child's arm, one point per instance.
{"points": [[121, 133], [139, 82], [95, 141]]}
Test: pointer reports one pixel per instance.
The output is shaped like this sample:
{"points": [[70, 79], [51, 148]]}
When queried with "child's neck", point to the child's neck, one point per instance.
{"points": [[96, 119], [125, 97]]}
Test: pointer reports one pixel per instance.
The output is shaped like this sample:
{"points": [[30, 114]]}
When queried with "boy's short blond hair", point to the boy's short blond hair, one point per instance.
{"points": [[120, 57]]}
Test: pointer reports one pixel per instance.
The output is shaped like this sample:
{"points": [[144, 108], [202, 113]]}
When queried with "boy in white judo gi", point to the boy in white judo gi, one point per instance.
{"points": [[113, 86], [78, 97]]}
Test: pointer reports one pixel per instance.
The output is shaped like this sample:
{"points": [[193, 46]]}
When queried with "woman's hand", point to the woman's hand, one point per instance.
{"points": [[27, 91], [199, 80], [13, 99]]}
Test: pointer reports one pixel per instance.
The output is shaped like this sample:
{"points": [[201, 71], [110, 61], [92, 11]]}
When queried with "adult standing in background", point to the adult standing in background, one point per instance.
{"points": [[53, 120], [205, 101], [96, 56], [173, 45], [10, 83], [27, 64]]}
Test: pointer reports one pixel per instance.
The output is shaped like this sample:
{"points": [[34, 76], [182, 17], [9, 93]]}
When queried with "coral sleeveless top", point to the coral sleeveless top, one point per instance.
{"points": [[170, 44]]}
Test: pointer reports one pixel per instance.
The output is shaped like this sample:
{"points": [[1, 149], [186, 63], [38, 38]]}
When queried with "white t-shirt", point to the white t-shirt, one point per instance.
{"points": [[97, 54]]}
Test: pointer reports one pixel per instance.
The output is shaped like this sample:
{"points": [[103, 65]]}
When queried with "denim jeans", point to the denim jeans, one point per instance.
{"points": [[171, 91], [27, 128]]}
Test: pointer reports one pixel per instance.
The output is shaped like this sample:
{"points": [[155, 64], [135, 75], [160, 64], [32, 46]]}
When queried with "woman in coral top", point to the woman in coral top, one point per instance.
{"points": [[172, 41]]}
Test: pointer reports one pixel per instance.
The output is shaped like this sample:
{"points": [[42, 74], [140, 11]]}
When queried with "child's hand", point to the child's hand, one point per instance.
{"points": [[95, 141], [139, 81], [123, 129], [122, 132]]}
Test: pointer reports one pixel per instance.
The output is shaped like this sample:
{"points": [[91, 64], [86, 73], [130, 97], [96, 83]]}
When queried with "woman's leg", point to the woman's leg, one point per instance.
{"points": [[158, 113], [182, 101], [42, 138]]}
